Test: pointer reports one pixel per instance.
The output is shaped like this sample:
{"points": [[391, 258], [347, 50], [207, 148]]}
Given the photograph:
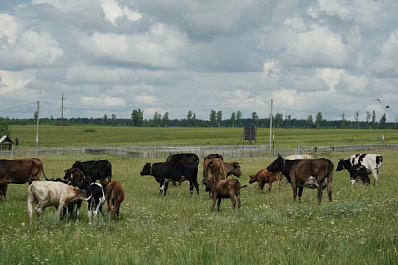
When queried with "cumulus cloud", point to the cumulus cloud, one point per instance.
{"points": [[114, 56]]}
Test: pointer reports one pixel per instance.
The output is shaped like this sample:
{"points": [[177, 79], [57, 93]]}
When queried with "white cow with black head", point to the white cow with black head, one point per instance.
{"points": [[372, 163]]}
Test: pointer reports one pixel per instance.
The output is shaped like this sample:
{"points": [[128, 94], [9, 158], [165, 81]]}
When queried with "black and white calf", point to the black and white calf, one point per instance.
{"points": [[357, 163]]}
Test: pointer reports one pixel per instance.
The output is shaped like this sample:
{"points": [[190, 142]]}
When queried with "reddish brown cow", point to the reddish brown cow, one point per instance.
{"points": [[224, 188], [263, 177], [18, 171], [114, 194]]}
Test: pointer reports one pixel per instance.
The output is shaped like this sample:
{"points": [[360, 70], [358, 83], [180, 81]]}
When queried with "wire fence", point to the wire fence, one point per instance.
{"points": [[228, 151]]}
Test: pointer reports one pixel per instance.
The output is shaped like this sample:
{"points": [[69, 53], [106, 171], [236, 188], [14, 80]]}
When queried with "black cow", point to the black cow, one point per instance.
{"points": [[173, 171], [96, 169], [183, 157]]}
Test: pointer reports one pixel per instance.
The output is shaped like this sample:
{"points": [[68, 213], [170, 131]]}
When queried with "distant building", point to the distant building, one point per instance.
{"points": [[6, 143]]}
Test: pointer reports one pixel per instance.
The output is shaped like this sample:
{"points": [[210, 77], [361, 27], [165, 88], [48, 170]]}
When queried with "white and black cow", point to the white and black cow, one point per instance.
{"points": [[372, 163], [173, 171]]}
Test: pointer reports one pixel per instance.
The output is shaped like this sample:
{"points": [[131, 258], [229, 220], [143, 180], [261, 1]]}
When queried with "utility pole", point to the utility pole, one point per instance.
{"points": [[37, 125], [270, 127], [62, 113]]}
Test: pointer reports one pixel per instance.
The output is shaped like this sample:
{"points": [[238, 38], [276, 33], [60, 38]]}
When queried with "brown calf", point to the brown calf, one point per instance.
{"points": [[114, 194], [263, 177], [224, 188]]}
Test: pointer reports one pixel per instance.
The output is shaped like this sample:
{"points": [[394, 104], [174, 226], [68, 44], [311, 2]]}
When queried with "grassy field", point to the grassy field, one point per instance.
{"points": [[50, 136], [360, 226]]}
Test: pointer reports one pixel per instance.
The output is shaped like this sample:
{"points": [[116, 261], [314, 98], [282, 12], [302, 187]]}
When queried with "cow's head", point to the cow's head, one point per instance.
{"points": [[343, 164], [277, 165], [146, 170], [77, 163], [68, 174], [253, 178], [209, 184], [236, 171]]}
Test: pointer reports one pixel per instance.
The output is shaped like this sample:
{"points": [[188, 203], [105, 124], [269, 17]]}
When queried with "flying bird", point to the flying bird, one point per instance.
{"points": [[387, 107], [377, 100]]}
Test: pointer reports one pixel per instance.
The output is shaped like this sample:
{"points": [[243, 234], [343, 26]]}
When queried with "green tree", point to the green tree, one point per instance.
{"points": [[239, 118], [213, 118], [288, 120], [219, 118], [383, 120], [232, 120], [191, 118], [113, 120], [104, 120], [278, 120], [157, 118], [318, 120], [255, 118], [165, 120], [137, 117], [4, 130], [310, 121]]}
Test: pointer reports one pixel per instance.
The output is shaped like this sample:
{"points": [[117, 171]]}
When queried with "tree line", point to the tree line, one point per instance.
{"points": [[215, 120]]}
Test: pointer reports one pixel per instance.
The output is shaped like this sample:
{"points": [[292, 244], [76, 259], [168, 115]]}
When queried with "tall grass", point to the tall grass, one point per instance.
{"points": [[359, 227]]}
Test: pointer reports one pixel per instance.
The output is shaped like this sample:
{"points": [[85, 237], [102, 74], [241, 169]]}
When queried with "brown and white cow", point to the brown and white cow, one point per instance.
{"points": [[263, 177], [310, 173], [18, 171], [224, 188], [114, 195], [50, 193]]}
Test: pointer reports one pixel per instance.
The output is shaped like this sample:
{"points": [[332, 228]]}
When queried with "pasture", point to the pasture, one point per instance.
{"points": [[360, 226]]}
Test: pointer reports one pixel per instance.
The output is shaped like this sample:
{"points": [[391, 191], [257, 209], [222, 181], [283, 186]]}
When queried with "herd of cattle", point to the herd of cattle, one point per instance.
{"points": [[79, 182]]}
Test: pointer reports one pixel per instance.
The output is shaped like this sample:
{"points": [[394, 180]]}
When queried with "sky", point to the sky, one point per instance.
{"points": [[97, 57]]}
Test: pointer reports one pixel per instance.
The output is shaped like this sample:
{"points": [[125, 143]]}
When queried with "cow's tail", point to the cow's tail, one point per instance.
{"points": [[244, 186]]}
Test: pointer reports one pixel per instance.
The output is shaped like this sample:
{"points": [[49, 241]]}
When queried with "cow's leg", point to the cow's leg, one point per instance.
{"points": [[166, 185], [162, 186], [59, 210], [269, 187], [89, 212], [3, 190], [196, 184], [191, 187], [78, 205], [320, 192], [238, 199], [261, 185], [294, 187], [214, 203], [31, 201], [300, 193], [233, 202], [218, 204], [278, 181], [375, 175]]}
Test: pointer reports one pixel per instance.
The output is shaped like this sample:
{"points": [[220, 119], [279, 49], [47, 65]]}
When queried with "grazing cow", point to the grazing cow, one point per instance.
{"points": [[206, 169], [114, 194], [311, 173], [51, 193], [169, 171], [75, 177], [18, 171], [264, 176], [96, 169], [372, 163], [183, 157], [224, 188]]}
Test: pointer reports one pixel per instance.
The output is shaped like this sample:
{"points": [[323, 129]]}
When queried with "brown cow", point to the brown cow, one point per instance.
{"points": [[221, 170], [18, 171], [224, 188], [114, 194], [207, 160], [263, 177], [313, 173]]}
